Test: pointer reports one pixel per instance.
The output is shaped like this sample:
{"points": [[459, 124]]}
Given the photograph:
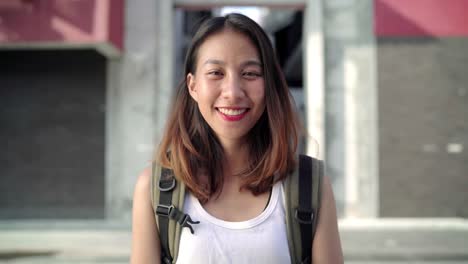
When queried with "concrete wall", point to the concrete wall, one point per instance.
{"points": [[423, 127]]}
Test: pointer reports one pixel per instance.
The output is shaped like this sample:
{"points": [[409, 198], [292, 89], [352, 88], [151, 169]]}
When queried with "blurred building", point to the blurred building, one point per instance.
{"points": [[423, 107], [85, 89], [55, 106]]}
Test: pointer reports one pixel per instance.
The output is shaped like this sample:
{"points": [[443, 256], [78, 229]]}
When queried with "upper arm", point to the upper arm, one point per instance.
{"points": [[327, 246], [145, 238]]}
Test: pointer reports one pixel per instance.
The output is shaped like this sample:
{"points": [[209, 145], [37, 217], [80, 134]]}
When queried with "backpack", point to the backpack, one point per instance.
{"points": [[302, 191]]}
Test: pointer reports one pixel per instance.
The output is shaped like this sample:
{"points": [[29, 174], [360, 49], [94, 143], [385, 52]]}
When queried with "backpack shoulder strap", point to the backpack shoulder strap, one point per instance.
{"points": [[302, 199], [167, 196]]}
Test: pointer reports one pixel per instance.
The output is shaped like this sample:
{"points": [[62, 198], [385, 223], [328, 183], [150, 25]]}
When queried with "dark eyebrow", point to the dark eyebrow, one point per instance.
{"points": [[244, 64], [213, 61], [252, 63]]}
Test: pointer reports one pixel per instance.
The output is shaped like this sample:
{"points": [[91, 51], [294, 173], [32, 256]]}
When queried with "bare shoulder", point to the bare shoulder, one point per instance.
{"points": [[142, 192], [327, 245], [327, 211], [143, 182], [145, 240], [328, 198]]}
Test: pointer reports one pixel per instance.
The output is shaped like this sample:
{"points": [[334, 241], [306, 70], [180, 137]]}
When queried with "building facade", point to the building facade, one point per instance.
{"points": [[84, 99]]}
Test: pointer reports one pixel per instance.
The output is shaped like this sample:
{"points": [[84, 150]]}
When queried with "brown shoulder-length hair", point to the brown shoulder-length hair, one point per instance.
{"points": [[189, 146]]}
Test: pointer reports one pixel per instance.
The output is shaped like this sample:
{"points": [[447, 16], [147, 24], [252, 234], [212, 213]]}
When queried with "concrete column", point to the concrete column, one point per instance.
{"points": [[314, 82], [166, 61], [351, 106], [139, 86]]}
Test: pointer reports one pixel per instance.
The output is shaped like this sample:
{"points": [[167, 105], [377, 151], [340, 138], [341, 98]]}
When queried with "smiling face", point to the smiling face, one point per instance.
{"points": [[228, 85]]}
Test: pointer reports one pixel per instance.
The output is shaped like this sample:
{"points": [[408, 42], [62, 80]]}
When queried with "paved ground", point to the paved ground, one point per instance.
{"points": [[430, 241], [86, 242], [433, 241]]}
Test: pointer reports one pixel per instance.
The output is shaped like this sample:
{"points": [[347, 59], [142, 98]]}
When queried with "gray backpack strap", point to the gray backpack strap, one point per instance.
{"points": [[302, 197], [168, 200]]}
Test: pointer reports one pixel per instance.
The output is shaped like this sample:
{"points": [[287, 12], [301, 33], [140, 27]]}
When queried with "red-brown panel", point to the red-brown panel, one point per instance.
{"points": [[61, 21], [439, 18]]}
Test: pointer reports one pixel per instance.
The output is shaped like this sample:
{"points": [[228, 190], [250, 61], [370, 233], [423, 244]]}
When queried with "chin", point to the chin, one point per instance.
{"points": [[232, 136]]}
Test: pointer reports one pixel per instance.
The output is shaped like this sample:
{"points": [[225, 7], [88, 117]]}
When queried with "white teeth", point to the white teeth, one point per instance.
{"points": [[232, 112]]}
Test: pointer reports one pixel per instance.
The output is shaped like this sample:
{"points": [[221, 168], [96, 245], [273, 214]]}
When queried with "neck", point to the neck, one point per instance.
{"points": [[235, 158]]}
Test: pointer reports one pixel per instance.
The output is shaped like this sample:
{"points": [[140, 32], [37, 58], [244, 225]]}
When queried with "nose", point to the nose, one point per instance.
{"points": [[232, 87]]}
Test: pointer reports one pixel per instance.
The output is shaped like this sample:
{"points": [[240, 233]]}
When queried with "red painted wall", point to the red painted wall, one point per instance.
{"points": [[441, 18], [62, 21]]}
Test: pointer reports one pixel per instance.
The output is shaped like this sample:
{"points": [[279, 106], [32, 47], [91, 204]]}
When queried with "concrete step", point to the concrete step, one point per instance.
{"points": [[405, 240], [386, 241], [64, 242]]}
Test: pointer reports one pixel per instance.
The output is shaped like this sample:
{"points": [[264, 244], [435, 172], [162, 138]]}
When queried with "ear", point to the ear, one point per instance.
{"points": [[192, 87]]}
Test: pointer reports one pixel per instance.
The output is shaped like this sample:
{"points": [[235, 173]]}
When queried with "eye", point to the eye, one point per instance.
{"points": [[215, 73], [251, 74]]}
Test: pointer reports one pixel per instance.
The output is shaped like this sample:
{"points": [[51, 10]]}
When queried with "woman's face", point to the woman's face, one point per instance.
{"points": [[228, 85]]}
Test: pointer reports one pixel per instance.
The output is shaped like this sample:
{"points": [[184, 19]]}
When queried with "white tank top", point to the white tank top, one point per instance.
{"points": [[262, 239]]}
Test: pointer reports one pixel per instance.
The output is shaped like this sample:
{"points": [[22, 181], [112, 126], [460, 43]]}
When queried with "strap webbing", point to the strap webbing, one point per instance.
{"points": [[318, 169], [304, 213], [165, 198], [167, 210]]}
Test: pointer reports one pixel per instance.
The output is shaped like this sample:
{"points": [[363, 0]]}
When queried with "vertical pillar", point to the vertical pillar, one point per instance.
{"points": [[314, 83], [166, 62], [138, 90], [351, 101]]}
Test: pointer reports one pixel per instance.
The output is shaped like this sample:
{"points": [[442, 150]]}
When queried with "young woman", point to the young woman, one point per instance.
{"points": [[232, 140]]}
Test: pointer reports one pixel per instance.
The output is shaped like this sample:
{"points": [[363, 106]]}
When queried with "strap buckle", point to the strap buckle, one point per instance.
{"points": [[167, 185], [187, 221], [304, 216], [164, 210], [171, 212]]}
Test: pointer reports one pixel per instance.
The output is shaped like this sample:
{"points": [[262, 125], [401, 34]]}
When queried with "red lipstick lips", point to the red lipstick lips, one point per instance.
{"points": [[232, 114]]}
